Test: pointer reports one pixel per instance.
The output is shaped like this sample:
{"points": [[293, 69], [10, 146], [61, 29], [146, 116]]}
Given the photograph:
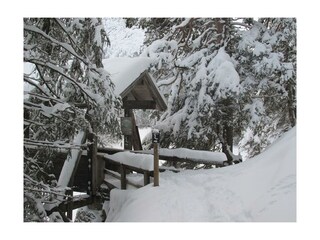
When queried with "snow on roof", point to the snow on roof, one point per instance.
{"points": [[124, 71]]}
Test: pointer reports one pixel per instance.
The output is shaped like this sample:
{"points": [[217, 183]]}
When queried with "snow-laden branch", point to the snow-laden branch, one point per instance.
{"points": [[45, 81], [59, 70], [167, 82], [56, 144], [66, 46], [48, 191], [28, 80], [240, 24], [29, 122], [183, 24], [72, 40], [45, 98]]}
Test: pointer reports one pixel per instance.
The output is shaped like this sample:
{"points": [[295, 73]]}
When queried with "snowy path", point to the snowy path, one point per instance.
{"points": [[261, 189]]}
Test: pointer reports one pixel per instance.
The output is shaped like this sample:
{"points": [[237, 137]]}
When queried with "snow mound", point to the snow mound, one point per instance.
{"points": [[261, 189]]}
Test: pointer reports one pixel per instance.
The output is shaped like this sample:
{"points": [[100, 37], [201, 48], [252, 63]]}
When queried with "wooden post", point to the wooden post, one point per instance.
{"points": [[155, 140], [123, 177], [146, 178], [70, 203], [128, 138], [92, 164], [156, 165]]}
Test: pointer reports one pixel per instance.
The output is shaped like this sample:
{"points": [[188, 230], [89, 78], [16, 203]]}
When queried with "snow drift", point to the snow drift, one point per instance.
{"points": [[261, 189]]}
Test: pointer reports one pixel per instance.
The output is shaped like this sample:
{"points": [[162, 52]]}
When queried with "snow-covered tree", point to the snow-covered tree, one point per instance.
{"points": [[198, 75], [124, 41], [221, 77], [266, 62], [71, 92]]}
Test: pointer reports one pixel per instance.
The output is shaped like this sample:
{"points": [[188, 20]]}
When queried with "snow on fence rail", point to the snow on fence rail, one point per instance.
{"points": [[141, 161], [144, 159], [189, 155]]}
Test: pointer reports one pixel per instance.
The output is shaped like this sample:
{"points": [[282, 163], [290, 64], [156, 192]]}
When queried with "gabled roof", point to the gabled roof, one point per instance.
{"points": [[133, 82]]}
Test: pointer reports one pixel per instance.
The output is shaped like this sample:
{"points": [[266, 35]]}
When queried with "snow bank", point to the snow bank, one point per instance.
{"points": [[261, 189]]}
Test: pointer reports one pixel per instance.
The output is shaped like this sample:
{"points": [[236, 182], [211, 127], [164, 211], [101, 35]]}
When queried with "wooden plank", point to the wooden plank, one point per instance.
{"points": [[109, 150], [146, 104], [161, 105]]}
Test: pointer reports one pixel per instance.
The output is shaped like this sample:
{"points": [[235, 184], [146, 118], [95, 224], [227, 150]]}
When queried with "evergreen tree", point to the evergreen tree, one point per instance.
{"points": [[266, 59], [198, 76], [70, 92], [222, 77]]}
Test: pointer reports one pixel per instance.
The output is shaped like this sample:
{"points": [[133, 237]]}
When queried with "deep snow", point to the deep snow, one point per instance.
{"points": [[261, 189]]}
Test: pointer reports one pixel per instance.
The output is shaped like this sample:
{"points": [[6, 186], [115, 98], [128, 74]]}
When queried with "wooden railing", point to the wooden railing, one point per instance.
{"points": [[123, 169]]}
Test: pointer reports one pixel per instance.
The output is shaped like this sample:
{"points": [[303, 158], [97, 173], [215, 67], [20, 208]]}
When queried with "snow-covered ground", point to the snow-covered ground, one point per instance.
{"points": [[261, 189]]}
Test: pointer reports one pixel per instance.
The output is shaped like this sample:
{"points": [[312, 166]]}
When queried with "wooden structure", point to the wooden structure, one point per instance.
{"points": [[138, 91], [82, 175]]}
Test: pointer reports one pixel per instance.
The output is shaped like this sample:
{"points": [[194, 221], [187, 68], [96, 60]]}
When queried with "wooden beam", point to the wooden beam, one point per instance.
{"points": [[77, 202], [136, 141], [131, 104], [161, 105], [127, 138]]}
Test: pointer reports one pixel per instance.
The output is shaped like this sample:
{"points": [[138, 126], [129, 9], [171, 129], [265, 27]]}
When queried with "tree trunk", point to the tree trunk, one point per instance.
{"points": [[221, 25], [227, 143]]}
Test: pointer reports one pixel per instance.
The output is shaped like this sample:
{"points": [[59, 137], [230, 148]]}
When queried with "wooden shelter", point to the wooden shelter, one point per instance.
{"points": [[138, 91]]}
